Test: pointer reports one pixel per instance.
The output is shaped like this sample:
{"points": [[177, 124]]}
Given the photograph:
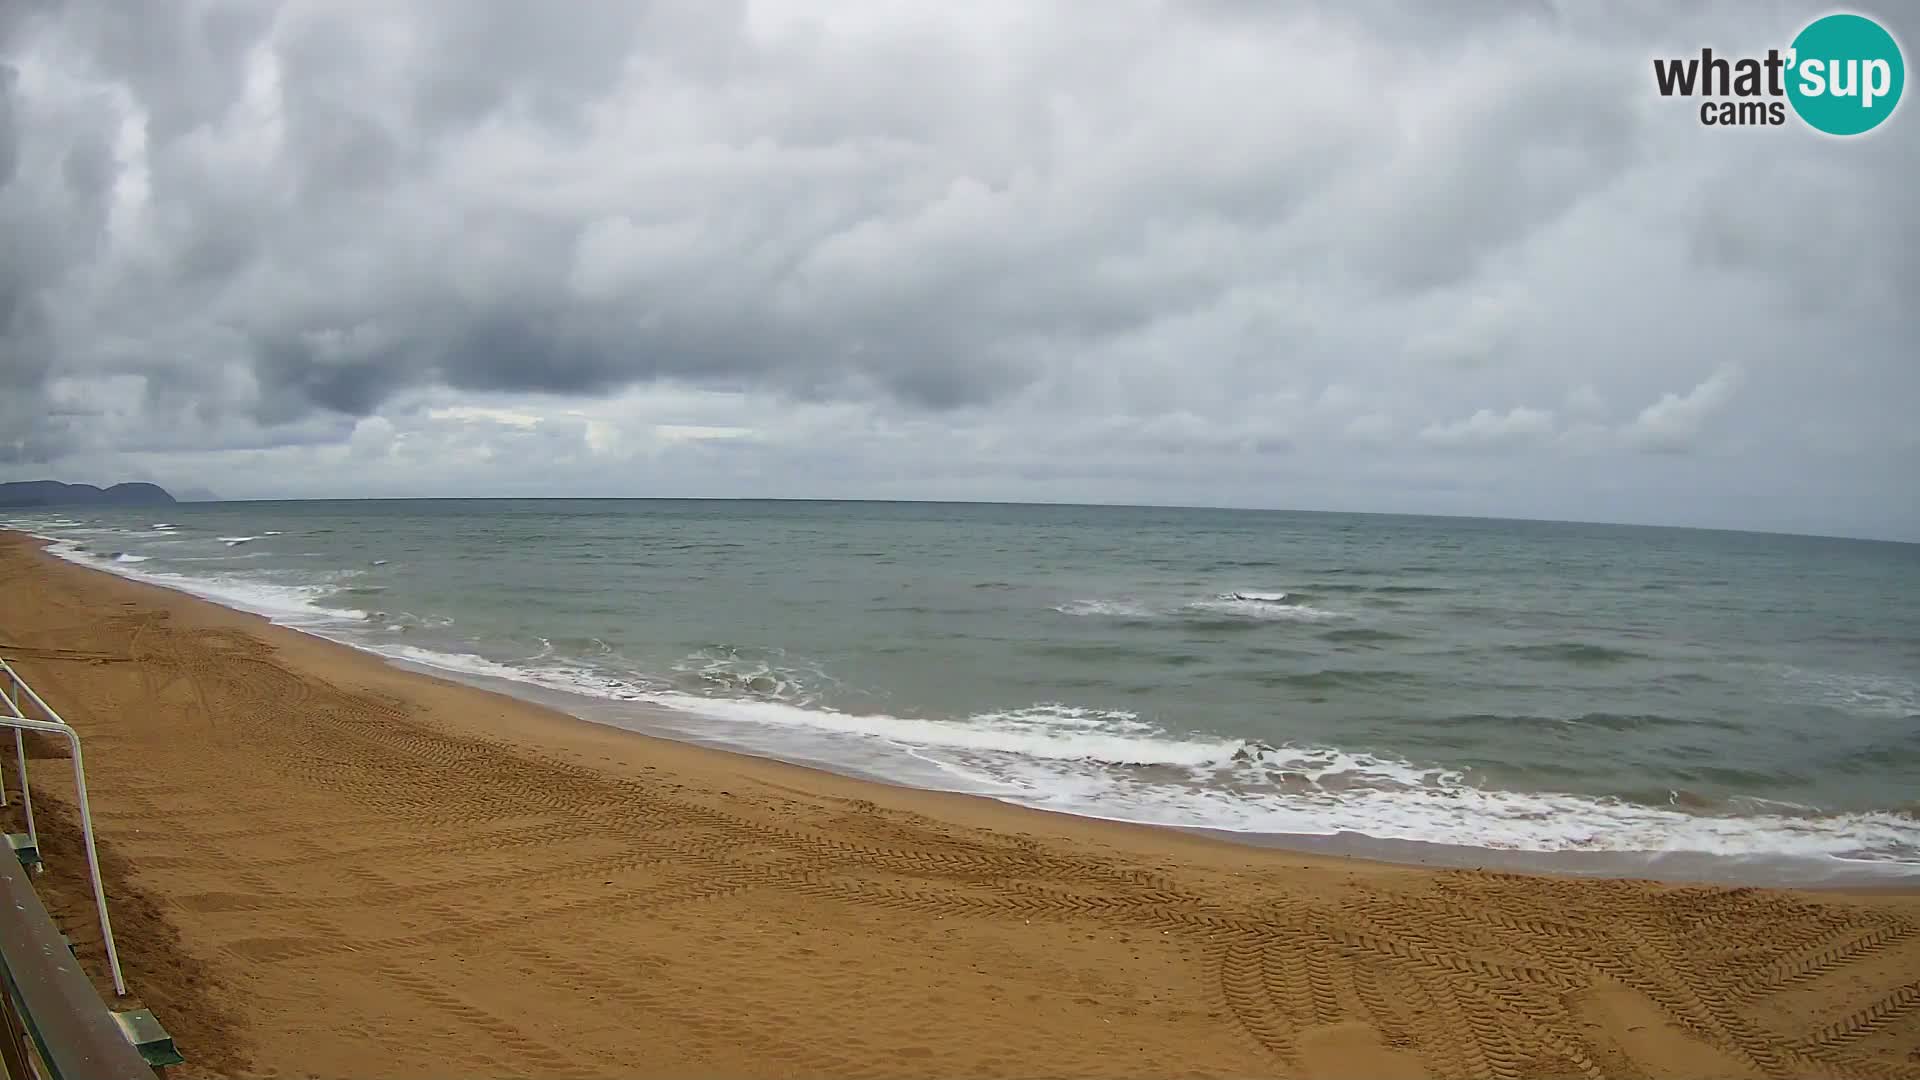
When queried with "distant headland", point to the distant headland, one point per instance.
{"points": [[55, 493]]}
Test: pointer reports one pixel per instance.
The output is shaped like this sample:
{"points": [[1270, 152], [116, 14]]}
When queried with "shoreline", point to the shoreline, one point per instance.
{"points": [[653, 720], [1676, 867], [333, 865]]}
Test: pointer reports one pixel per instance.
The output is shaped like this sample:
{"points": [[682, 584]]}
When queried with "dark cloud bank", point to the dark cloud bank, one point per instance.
{"points": [[1384, 256]]}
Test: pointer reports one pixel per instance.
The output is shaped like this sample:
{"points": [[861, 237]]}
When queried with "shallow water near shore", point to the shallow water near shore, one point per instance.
{"points": [[1590, 695]]}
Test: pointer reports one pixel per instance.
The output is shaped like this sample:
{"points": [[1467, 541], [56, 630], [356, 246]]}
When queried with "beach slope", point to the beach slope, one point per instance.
{"points": [[325, 866]]}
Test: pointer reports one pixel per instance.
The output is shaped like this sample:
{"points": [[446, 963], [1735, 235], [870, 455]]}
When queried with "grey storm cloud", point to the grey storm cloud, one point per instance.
{"points": [[1354, 254]]}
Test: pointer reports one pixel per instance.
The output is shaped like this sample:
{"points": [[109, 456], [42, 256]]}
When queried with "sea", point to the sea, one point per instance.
{"points": [[1474, 691]]}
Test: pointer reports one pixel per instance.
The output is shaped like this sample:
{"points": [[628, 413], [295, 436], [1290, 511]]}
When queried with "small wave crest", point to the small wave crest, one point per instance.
{"points": [[1575, 652], [567, 677], [1113, 609], [406, 622], [1341, 679], [1262, 606], [1872, 695], [762, 673], [1248, 606], [1040, 732], [1362, 634]]}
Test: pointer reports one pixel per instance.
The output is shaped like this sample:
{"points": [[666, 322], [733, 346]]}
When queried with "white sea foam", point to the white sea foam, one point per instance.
{"points": [[296, 604], [464, 663], [1116, 766], [128, 557], [1247, 606], [573, 679], [770, 673], [1862, 694], [236, 541], [1454, 813], [1277, 606], [1031, 733], [293, 604], [1113, 609]]}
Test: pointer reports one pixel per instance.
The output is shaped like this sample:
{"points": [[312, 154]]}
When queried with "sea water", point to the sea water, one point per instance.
{"points": [[1521, 686]]}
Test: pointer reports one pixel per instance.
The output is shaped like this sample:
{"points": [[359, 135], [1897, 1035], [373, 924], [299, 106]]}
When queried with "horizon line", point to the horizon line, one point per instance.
{"points": [[1010, 502]]}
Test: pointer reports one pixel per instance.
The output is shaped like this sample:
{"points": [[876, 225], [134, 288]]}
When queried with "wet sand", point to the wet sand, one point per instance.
{"points": [[322, 865]]}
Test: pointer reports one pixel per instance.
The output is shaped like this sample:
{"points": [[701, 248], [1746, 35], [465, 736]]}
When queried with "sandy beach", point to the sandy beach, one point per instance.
{"points": [[322, 865]]}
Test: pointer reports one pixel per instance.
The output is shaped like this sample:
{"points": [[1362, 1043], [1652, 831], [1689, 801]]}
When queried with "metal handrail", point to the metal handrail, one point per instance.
{"points": [[54, 725]]}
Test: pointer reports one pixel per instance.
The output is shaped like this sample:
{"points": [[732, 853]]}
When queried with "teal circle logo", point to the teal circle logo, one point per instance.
{"points": [[1845, 74]]}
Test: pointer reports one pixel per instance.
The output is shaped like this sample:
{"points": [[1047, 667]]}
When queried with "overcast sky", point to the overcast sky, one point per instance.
{"points": [[1378, 255]]}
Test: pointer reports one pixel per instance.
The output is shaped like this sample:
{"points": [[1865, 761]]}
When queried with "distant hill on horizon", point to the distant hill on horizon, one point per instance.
{"points": [[55, 493]]}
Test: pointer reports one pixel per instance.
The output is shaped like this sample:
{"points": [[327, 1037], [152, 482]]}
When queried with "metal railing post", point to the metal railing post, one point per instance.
{"points": [[26, 794], [93, 869], [55, 725], [10, 694]]}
